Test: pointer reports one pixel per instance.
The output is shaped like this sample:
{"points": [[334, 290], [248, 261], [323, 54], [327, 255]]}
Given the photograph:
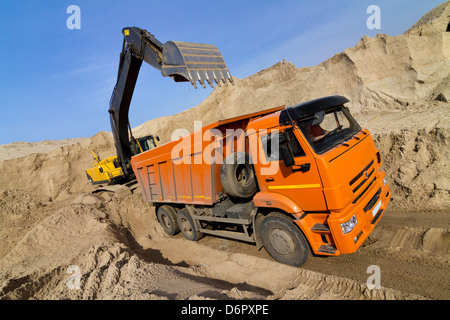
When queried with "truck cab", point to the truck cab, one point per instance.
{"points": [[325, 172]]}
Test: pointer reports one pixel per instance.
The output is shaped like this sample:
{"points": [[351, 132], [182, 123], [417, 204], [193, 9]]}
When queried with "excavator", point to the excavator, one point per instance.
{"points": [[109, 171], [181, 61]]}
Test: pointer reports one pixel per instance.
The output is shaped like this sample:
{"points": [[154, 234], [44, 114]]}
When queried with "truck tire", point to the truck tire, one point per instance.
{"points": [[187, 226], [284, 241], [167, 217], [237, 176]]}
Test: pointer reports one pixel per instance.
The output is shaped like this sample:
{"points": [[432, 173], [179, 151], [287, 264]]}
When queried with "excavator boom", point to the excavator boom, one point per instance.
{"points": [[181, 61]]}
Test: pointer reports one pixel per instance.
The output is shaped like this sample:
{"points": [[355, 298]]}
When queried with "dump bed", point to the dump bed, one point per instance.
{"points": [[163, 179], [182, 171]]}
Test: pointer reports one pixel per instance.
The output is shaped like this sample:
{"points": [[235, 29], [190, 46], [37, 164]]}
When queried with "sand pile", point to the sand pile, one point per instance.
{"points": [[56, 174], [21, 149], [398, 88]]}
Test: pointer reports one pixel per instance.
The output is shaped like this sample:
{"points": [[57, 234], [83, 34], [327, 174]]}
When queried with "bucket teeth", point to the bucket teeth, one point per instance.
{"points": [[194, 62]]}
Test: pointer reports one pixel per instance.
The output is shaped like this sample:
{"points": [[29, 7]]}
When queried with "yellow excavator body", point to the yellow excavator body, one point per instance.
{"points": [[105, 171], [109, 171]]}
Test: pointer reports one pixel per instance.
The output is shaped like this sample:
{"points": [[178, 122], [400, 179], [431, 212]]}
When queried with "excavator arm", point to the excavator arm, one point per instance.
{"points": [[182, 61]]}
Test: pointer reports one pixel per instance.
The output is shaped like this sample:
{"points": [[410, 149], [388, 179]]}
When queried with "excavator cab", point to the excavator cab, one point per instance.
{"points": [[144, 144], [148, 142]]}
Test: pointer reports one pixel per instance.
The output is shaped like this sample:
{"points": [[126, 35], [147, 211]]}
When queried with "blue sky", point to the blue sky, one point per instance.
{"points": [[55, 83]]}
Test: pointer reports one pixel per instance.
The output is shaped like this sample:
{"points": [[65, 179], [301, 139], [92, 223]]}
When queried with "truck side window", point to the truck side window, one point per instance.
{"points": [[272, 153], [294, 145], [287, 137]]}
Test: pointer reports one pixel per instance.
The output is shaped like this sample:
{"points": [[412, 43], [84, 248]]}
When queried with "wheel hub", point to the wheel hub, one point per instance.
{"points": [[186, 226], [166, 221], [281, 241]]}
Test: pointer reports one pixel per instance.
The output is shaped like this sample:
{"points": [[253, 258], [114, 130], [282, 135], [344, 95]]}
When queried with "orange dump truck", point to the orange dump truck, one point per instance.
{"points": [[293, 180]]}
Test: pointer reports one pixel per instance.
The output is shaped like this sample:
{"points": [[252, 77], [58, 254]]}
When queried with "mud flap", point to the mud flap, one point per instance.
{"points": [[257, 220]]}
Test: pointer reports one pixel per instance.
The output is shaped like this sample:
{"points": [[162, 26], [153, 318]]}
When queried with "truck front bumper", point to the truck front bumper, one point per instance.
{"points": [[350, 227]]}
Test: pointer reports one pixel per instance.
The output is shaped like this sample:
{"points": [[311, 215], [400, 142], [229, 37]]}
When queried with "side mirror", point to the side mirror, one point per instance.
{"points": [[318, 118]]}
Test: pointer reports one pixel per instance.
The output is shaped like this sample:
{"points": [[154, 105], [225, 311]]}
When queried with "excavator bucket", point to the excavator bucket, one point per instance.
{"points": [[186, 61]]}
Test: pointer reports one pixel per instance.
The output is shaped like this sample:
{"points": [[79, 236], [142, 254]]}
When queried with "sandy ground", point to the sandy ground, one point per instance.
{"points": [[54, 229]]}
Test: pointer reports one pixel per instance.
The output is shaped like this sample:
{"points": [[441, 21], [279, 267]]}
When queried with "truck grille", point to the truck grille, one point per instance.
{"points": [[361, 180], [359, 175], [372, 201]]}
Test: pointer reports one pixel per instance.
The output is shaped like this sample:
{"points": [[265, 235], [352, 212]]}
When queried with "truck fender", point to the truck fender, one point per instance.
{"points": [[263, 202], [266, 199]]}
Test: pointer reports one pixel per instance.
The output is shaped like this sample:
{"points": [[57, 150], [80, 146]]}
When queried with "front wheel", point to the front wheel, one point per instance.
{"points": [[284, 241]]}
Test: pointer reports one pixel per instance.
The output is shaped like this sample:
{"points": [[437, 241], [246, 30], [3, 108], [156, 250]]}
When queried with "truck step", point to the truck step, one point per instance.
{"points": [[326, 248], [320, 227]]}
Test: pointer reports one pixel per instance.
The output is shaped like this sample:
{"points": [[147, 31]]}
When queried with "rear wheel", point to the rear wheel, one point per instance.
{"points": [[167, 217], [187, 226], [284, 241]]}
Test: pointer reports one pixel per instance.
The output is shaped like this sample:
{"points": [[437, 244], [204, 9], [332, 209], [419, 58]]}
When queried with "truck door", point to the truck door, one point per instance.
{"points": [[301, 181]]}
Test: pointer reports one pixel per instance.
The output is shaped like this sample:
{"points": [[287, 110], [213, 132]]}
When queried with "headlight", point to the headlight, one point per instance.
{"points": [[349, 225], [385, 181]]}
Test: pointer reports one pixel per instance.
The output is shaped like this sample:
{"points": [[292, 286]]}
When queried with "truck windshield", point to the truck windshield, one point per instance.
{"points": [[327, 129]]}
